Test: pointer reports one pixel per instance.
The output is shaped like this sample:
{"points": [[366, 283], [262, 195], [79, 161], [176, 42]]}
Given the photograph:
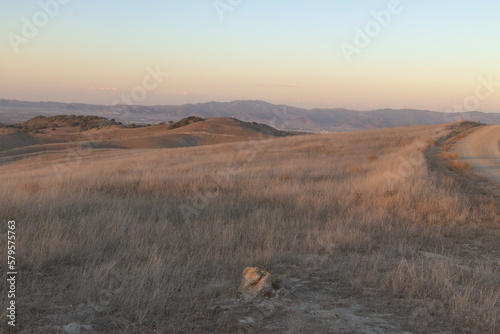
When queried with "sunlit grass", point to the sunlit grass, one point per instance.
{"points": [[171, 223]]}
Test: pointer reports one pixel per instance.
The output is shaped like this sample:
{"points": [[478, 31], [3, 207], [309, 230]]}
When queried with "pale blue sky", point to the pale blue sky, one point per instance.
{"points": [[429, 56]]}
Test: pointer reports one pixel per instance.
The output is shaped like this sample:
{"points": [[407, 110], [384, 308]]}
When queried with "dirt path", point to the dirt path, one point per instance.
{"points": [[481, 150], [313, 302]]}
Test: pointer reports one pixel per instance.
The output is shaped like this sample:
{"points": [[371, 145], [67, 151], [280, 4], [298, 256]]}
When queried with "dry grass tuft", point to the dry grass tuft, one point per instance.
{"points": [[454, 162], [459, 165], [449, 155]]}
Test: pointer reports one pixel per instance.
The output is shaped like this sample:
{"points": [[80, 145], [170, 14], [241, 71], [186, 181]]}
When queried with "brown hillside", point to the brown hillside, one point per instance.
{"points": [[207, 132]]}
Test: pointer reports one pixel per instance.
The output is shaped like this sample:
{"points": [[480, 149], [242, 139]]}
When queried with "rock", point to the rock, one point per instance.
{"points": [[247, 320], [72, 328], [256, 282], [76, 328]]}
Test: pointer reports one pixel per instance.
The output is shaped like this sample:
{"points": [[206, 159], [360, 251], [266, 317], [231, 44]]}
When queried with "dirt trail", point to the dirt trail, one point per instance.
{"points": [[481, 150], [313, 302]]}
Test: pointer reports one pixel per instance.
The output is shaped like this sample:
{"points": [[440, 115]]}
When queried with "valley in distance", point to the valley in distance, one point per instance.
{"points": [[136, 219]]}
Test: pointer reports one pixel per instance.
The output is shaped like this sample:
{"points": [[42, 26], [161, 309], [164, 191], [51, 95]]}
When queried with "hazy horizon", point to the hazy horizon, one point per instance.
{"points": [[364, 56], [230, 101]]}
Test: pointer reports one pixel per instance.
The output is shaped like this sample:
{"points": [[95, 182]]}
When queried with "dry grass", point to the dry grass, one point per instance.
{"points": [[449, 155], [459, 165], [455, 163], [113, 231]]}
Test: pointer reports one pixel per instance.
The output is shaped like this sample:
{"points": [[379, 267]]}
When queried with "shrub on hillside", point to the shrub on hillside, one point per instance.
{"points": [[185, 121], [84, 122]]}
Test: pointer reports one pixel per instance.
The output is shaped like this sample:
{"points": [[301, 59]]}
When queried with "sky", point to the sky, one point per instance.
{"points": [[439, 55]]}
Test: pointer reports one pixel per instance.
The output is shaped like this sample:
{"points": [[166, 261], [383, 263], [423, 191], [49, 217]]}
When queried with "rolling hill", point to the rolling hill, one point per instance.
{"points": [[278, 116], [34, 136]]}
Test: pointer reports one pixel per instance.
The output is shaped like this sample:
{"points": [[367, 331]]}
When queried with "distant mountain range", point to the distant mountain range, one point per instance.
{"points": [[278, 116]]}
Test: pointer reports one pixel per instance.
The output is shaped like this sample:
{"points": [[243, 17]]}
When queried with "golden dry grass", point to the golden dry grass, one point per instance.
{"points": [[155, 232], [459, 165], [455, 163], [449, 155]]}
